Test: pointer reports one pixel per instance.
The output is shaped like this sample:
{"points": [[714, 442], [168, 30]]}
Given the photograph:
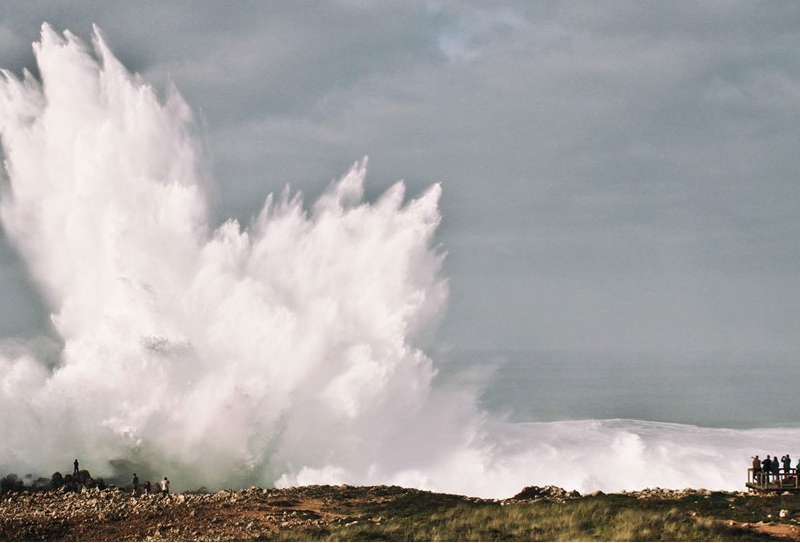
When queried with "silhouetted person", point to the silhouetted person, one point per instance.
{"points": [[147, 488], [756, 469], [766, 467], [75, 465], [787, 464], [165, 486], [775, 468], [135, 483]]}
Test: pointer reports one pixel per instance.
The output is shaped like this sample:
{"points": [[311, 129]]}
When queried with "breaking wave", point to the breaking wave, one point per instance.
{"points": [[285, 351]]}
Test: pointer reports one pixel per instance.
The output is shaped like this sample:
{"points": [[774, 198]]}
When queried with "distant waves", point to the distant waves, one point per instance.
{"points": [[614, 455]]}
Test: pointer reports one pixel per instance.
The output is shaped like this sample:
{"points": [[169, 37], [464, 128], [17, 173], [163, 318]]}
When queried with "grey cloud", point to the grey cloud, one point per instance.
{"points": [[286, 64], [616, 175]]}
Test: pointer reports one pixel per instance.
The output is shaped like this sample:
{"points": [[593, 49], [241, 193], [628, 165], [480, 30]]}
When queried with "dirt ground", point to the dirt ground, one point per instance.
{"points": [[267, 514]]}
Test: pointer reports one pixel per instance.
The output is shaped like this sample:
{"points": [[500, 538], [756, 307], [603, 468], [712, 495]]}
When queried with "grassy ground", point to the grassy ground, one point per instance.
{"points": [[605, 518]]}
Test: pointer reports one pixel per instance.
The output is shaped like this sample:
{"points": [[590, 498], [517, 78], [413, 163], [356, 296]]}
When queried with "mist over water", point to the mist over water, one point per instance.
{"points": [[285, 351]]}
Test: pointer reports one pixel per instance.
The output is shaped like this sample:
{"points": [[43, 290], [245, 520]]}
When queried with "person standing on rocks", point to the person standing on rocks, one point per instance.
{"points": [[75, 465], [165, 486], [147, 488], [135, 484]]}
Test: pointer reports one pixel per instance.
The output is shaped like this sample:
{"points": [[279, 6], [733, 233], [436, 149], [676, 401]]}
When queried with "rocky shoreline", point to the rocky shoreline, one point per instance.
{"points": [[114, 514], [68, 513]]}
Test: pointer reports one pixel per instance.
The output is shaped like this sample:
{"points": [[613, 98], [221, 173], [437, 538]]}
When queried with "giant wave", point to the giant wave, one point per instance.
{"points": [[286, 351]]}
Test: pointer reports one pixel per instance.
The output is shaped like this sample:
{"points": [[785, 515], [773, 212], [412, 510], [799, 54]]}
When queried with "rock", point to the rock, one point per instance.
{"points": [[41, 483], [84, 478], [549, 492], [11, 483]]}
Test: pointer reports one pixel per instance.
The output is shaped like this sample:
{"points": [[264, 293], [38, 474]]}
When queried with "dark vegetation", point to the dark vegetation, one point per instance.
{"points": [[76, 511]]}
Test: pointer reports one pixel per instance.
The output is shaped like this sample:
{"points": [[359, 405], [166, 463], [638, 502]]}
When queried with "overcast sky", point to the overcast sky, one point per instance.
{"points": [[616, 175]]}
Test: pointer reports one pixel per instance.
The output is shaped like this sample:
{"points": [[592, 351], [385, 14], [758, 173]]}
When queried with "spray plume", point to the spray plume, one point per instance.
{"points": [[286, 352], [229, 355]]}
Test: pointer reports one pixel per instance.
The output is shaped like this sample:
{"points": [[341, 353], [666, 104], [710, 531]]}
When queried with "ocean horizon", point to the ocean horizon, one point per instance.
{"points": [[709, 389]]}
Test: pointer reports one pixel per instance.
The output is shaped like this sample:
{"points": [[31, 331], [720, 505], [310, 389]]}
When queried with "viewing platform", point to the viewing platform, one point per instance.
{"points": [[761, 481]]}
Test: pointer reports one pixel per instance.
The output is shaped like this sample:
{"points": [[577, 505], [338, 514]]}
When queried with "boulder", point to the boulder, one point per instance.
{"points": [[549, 492], [84, 478], [41, 483], [11, 483]]}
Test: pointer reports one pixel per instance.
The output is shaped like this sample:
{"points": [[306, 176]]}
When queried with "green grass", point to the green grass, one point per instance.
{"points": [[605, 518]]}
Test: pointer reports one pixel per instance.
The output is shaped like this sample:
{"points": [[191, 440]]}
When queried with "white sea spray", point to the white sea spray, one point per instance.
{"points": [[286, 351]]}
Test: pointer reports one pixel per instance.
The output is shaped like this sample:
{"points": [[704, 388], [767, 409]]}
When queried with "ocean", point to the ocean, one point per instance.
{"points": [[713, 390], [623, 421]]}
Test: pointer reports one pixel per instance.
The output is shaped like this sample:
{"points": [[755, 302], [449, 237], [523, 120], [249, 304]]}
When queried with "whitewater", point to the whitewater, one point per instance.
{"points": [[287, 351]]}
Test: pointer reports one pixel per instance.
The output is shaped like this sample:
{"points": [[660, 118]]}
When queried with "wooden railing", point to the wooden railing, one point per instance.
{"points": [[767, 480]]}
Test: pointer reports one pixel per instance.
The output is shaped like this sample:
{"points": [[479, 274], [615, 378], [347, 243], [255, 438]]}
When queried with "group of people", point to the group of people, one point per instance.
{"points": [[163, 486], [770, 469]]}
